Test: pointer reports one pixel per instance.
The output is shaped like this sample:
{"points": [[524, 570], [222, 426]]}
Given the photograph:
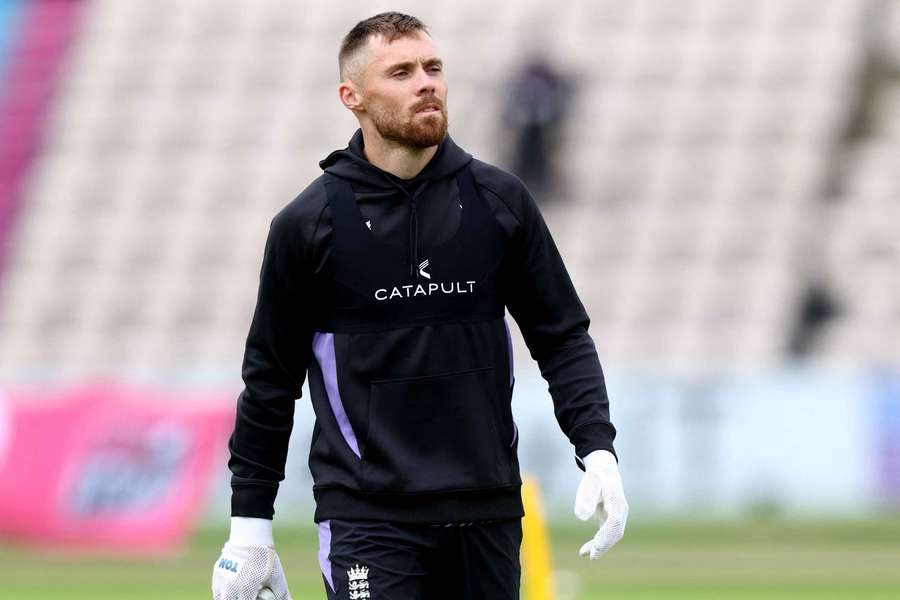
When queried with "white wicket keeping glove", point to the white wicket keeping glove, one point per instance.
{"points": [[601, 488], [249, 563]]}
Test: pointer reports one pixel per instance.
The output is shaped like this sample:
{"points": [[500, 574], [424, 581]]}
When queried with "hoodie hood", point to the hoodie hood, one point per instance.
{"points": [[351, 164]]}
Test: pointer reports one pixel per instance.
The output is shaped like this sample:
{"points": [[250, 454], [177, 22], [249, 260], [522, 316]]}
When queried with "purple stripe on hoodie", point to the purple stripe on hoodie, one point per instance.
{"points": [[325, 551], [511, 376], [509, 348], [323, 349]]}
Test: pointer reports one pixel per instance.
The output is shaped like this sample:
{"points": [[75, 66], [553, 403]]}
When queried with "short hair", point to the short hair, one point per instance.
{"points": [[391, 25]]}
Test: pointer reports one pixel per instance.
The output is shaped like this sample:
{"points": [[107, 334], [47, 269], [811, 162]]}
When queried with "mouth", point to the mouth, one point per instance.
{"points": [[429, 108]]}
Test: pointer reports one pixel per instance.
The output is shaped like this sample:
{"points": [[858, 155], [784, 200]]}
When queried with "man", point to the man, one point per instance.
{"points": [[386, 281]]}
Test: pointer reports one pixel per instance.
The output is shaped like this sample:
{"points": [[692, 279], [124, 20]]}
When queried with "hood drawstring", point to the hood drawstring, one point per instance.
{"points": [[413, 226], [413, 239], [414, 235]]}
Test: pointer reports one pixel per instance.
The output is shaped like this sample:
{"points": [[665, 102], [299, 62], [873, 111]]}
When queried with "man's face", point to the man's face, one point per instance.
{"points": [[404, 91]]}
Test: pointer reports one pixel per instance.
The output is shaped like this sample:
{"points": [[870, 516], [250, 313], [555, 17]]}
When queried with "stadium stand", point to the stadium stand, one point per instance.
{"points": [[862, 248], [703, 139]]}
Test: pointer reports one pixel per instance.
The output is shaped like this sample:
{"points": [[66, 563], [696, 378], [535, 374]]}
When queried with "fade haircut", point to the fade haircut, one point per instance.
{"points": [[390, 25]]}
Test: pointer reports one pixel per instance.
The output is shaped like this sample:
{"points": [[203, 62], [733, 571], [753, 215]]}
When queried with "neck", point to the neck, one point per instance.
{"points": [[397, 159]]}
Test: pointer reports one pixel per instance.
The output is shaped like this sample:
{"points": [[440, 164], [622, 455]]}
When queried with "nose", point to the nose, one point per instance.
{"points": [[425, 83]]}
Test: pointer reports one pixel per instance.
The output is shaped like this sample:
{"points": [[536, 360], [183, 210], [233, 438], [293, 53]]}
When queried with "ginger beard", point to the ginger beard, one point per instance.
{"points": [[406, 127]]}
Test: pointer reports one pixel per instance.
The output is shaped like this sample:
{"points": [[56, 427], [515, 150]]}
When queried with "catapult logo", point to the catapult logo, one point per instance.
{"points": [[422, 266], [425, 289]]}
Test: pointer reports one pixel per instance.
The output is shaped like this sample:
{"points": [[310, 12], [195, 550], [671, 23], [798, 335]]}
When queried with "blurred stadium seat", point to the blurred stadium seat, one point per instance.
{"points": [[705, 137]]}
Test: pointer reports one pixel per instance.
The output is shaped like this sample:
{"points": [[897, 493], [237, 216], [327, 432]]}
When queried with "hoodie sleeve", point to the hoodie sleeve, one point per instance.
{"points": [[276, 356], [541, 298]]}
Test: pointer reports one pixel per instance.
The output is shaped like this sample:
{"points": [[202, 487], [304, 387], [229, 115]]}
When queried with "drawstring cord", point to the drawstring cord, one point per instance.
{"points": [[413, 226], [413, 239], [414, 234]]}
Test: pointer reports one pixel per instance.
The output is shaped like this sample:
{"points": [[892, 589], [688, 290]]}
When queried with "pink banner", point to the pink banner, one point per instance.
{"points": [[105, 466]]}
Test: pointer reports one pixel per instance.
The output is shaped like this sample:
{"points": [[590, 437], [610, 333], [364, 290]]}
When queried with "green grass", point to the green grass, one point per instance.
{"points": [[736, 561]]}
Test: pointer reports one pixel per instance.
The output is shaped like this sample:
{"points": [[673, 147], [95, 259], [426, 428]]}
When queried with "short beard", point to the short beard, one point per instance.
{"points": [[412, 132]]}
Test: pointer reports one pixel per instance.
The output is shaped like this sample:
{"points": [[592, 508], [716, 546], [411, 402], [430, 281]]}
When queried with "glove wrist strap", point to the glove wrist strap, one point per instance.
{"points": [[598, 460], [250, 531]]}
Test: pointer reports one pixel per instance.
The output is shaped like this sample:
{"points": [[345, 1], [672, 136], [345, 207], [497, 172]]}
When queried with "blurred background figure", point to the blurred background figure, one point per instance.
{"points": [[731, 225], [815, 308], [537, 103]]}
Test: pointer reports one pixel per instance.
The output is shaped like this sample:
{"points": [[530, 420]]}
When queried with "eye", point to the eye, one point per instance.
{"points": [[398, 74], [435, 69]]}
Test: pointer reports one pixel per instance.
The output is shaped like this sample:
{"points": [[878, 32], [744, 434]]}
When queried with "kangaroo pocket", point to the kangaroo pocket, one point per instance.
{"points": [[432, 433]]}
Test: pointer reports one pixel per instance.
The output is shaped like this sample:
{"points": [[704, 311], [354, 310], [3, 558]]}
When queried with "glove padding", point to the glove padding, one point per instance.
{"points": [[601, 487], [242, 571]]}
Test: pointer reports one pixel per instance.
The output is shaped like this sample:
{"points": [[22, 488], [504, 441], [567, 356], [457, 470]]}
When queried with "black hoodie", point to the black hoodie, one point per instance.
{"points": [[412, 394]]}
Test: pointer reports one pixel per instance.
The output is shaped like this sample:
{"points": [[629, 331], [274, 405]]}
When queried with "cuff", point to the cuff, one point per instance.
{"points": [[596, 435], [253, 500]]}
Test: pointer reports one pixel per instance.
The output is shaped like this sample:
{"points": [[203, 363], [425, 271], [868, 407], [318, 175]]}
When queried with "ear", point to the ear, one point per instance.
{"points": [[350, 95]]}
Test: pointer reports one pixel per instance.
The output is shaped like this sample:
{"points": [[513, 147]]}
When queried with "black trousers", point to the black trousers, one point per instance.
{"points": [[398, 561]]}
